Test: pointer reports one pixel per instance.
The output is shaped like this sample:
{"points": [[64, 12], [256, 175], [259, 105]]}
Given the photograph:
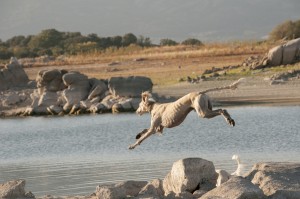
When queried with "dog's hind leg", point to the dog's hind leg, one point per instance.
{"points": [[203, 107]]}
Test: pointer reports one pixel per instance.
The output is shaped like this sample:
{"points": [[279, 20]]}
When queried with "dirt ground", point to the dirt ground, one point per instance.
{"points": [[165, 74], [253, 91]]}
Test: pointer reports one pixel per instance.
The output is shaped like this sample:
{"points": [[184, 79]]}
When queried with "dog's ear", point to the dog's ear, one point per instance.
{"points": [[145, 96]]}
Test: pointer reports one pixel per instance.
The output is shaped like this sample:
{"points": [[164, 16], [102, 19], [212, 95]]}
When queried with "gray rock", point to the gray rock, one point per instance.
{"points": [[78, 87], [50, 80], [275, 55], [132, 188], [13, 189], [98, 89], [13, 75], [223, 176], [153, 189], [277, 180], [188, 174], [284, 54], [123, 105], [131, 86], [110, 192], [54, 109], [235, 188], [290, 50], [11, 99]]}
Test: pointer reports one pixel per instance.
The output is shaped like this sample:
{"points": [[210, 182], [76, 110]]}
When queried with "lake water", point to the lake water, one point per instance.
{"points": [[71, 155]]}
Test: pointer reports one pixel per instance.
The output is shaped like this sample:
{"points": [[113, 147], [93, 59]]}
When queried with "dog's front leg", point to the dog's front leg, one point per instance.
{"points": [[142, 138]]}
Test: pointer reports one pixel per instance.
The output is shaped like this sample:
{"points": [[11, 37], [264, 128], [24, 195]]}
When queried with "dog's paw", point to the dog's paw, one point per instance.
{"points": [[131, 147], [231, 122]]}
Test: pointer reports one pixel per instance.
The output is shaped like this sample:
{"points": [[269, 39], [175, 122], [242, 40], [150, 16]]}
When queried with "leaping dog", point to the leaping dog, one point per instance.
{"points": [[173, 114]]}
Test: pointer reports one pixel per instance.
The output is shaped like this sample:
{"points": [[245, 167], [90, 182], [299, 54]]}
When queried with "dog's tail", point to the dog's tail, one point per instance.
{"points": [[232, 86]]}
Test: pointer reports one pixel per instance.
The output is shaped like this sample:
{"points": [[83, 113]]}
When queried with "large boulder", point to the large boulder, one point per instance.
{"points": [[277, 180], [14, 189], [98, 89], [49, 83], [50, 80], [287, 53], [78, 89], [188, 175], [275, 56], [131, 86], [235, 188], [13, 75], [290, 50]]}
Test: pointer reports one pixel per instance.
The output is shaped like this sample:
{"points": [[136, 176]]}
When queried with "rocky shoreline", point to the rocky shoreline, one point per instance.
{"points": [[60, 92], [192, 178]]}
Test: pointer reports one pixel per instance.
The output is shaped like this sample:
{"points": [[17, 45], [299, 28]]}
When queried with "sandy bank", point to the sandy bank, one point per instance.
{"points": [[254, 91]]}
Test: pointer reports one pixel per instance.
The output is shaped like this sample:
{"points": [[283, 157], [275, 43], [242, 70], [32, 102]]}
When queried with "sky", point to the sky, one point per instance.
{"points": [[206, 20]]}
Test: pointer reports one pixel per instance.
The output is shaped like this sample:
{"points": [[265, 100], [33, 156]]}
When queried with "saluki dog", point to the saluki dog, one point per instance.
{"points": [[173, 114]]}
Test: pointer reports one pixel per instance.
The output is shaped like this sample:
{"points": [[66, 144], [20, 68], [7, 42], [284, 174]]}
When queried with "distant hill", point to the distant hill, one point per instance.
{"points": [[206, 20]]}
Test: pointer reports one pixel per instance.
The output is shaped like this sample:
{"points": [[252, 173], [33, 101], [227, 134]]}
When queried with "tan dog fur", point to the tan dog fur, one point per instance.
{"points": [[173, 114]]}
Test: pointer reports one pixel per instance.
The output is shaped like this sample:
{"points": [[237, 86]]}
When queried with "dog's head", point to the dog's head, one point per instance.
{"points": [[146, 103]]}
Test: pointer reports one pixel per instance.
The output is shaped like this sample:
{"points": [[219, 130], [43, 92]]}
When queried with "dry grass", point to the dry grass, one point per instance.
{"points": [[164, 65]]}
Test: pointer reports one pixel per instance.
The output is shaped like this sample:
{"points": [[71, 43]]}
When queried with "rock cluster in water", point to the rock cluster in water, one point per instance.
{"points": [[59, 92], [193, 178]]}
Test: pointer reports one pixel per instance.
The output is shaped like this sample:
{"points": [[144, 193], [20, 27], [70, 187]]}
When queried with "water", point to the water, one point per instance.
{"points": [[72, 155]]}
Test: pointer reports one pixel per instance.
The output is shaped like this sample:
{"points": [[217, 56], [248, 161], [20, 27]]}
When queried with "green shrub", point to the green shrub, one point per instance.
{"points": [[287, 30], [192, 42], [168, 42]]}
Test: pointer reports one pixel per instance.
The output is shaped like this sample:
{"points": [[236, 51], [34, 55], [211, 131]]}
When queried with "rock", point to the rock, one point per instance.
{"points": [[98, 88], [275, 55], [223, 176], [123, 105], [50, 80], [110, 192], [135, 103], [132, 188], [12, 99], [47, 99], [188, 175], [54, 109], [131, 86], [98, 108], [13, 189], [13, 75], [153, 189], [290, 50], [284, 76], [277, 180], [78, 88], [284, 54], [235, 188]]}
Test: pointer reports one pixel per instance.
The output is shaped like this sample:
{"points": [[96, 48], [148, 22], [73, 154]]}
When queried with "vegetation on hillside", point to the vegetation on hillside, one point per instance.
{"points": [[287, 30], [54, 43]]}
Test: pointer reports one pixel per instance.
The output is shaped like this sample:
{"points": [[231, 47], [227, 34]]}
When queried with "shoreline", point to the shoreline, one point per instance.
{"points": [[265, 95]]}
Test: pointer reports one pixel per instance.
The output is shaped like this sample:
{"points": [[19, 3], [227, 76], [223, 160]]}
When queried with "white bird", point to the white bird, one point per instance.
{"points": [[240, 166]]}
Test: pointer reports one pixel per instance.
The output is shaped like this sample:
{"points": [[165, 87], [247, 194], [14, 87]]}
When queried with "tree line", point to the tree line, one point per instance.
{"points": [[54, 43]]}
